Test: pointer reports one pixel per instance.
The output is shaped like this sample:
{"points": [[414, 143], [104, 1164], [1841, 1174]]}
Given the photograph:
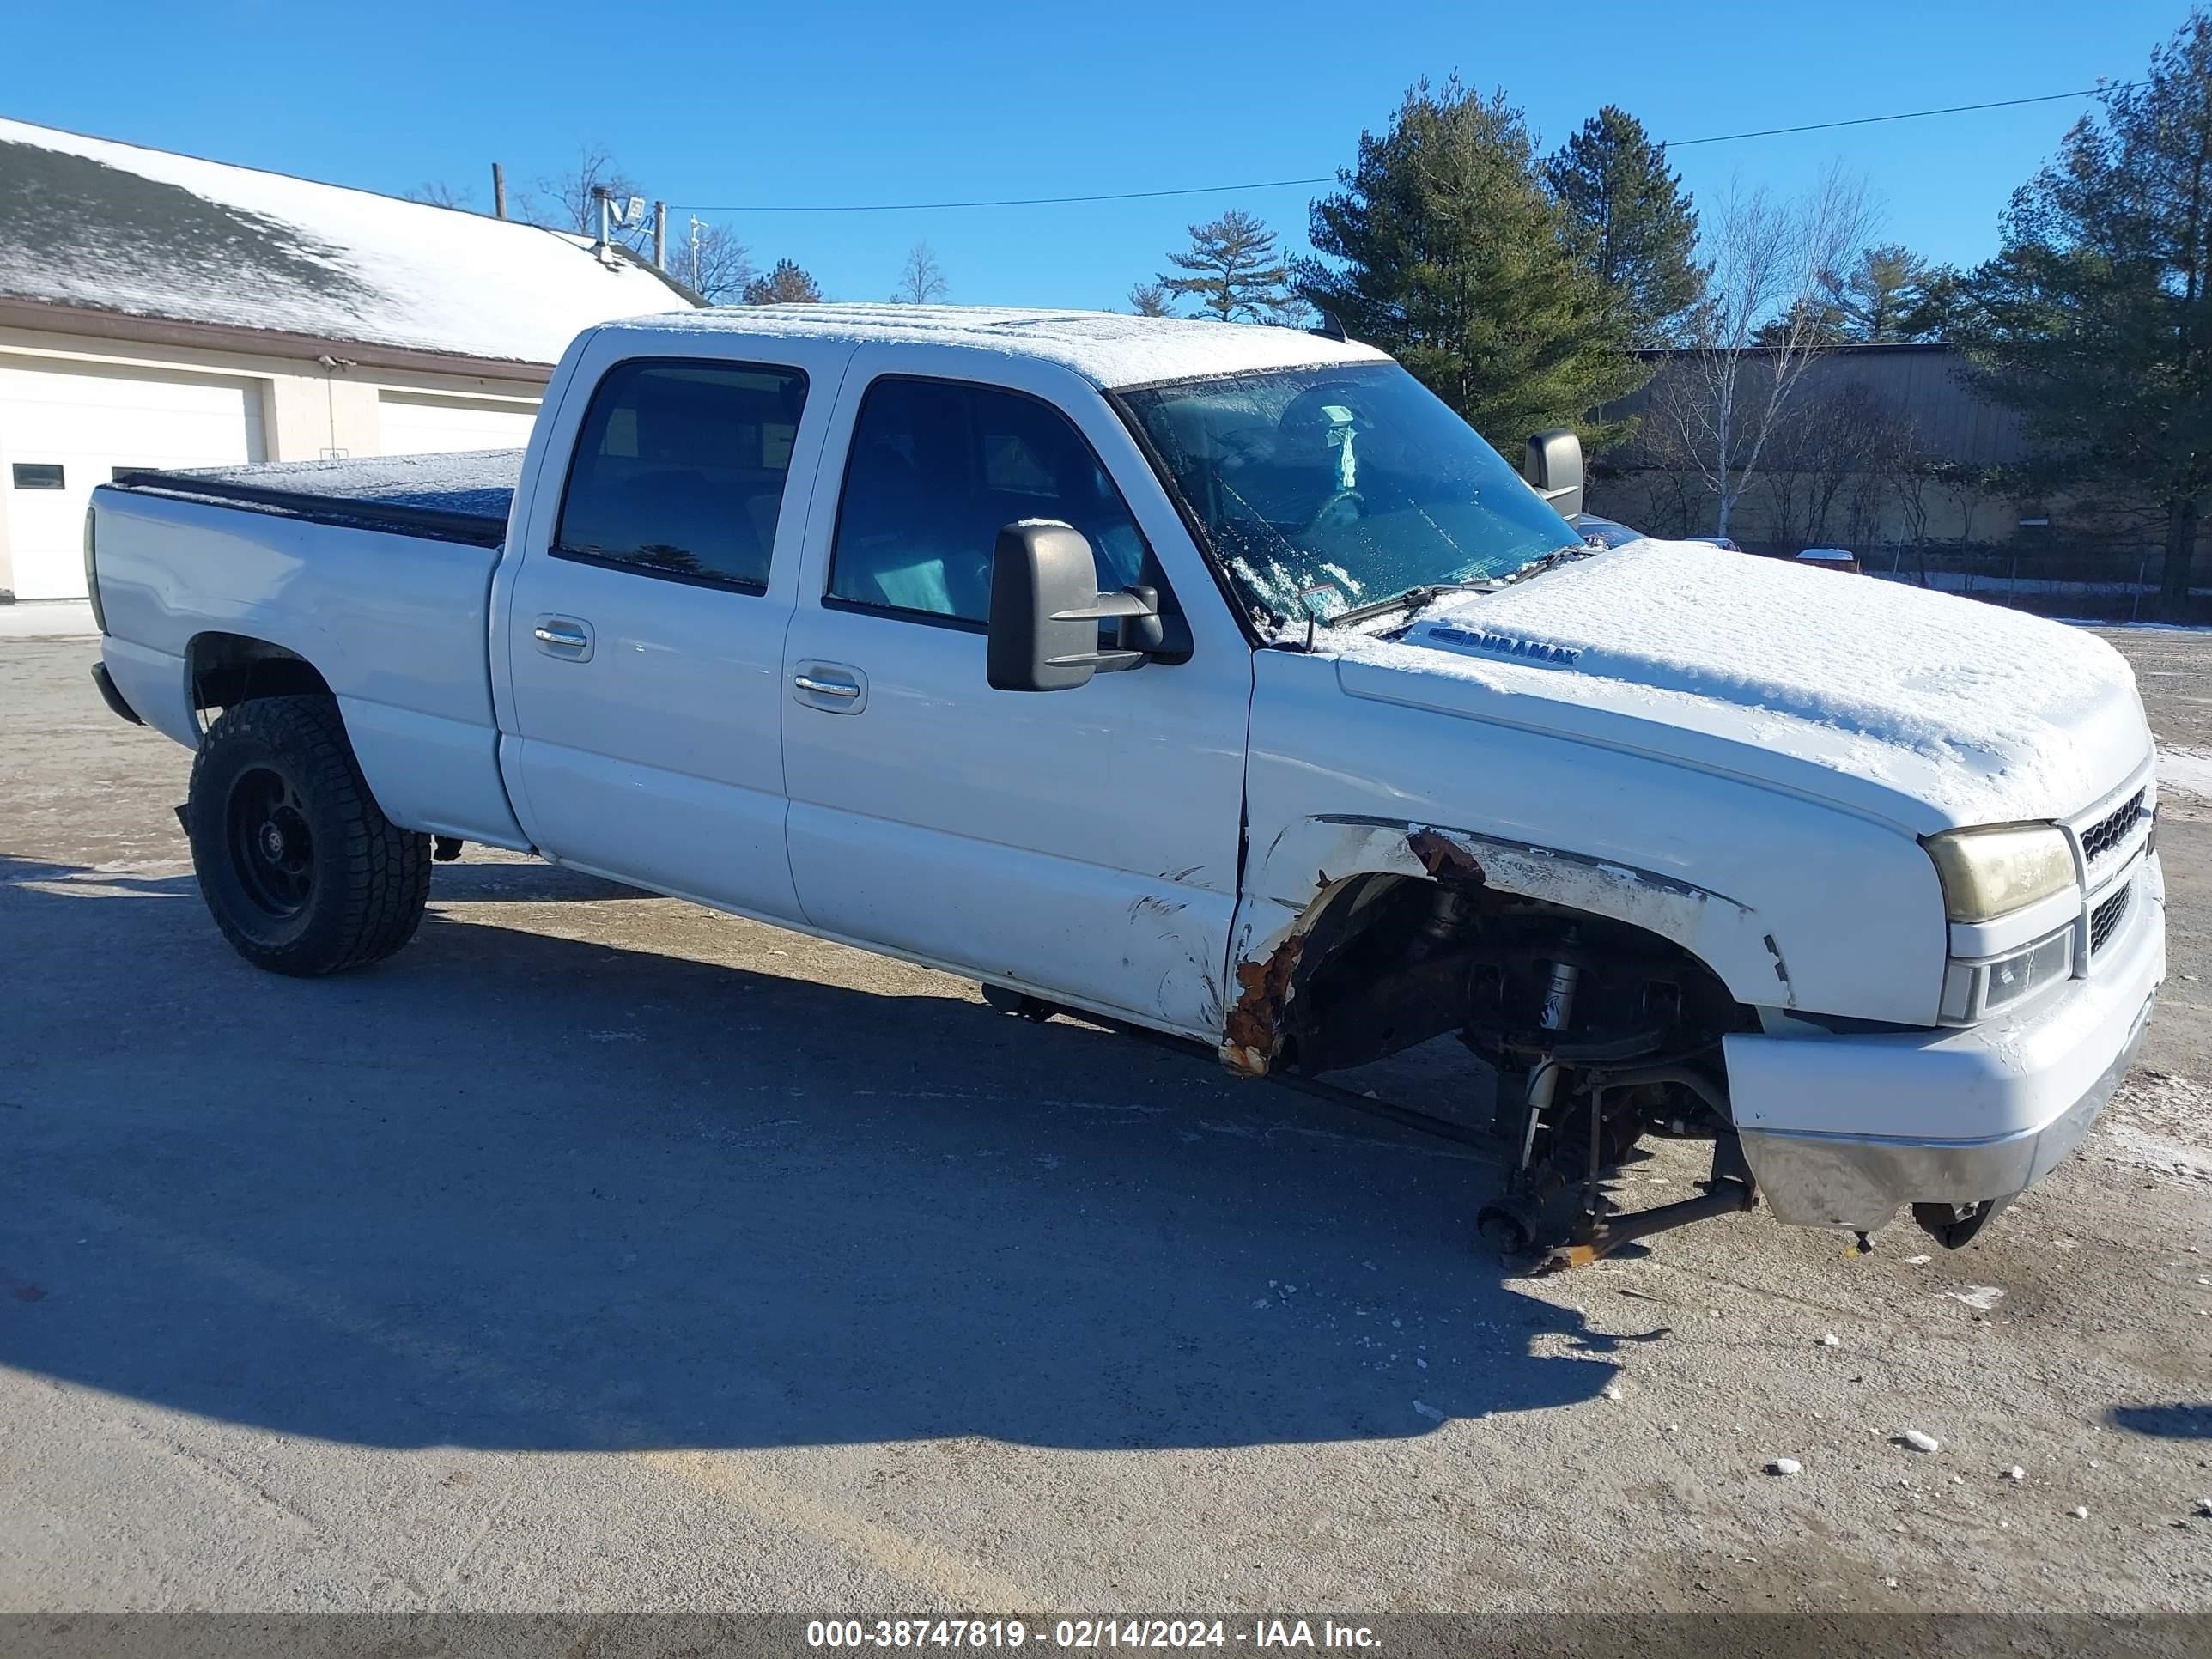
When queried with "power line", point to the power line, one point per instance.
{"points": [[1906, 115], [1330, 178], [1026, 201]]}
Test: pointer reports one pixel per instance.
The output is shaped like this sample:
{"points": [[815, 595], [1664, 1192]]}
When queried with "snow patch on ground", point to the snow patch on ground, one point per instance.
{"points": [[2148, 1151], [2163, 1123], [1981, 1298], [2187, 771]]}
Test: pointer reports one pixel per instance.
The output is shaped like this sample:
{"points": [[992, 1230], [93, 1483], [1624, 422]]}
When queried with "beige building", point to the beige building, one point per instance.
{"points": [[158, 310]]}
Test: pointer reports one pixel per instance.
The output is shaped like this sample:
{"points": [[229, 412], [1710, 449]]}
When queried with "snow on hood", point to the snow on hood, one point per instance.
{"points": [[1920, 708]]}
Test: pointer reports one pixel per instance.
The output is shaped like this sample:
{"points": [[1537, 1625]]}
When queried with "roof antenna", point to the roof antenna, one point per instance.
{"points": [[1331, 327], [630, 211]]}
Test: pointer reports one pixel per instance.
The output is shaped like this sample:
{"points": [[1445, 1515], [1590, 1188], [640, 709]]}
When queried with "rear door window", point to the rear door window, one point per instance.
{"points": [[679, 471]]}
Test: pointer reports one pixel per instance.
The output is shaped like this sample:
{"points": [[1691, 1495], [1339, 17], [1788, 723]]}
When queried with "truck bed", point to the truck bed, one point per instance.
{"points": [[376, 571], [462, 497]]}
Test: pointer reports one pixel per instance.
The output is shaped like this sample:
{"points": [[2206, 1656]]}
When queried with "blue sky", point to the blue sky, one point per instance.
{"points": [[717, 106]]}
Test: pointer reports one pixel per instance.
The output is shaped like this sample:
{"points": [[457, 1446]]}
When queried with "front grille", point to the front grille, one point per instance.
{"points": [[2109, 831], [2106, 919]]}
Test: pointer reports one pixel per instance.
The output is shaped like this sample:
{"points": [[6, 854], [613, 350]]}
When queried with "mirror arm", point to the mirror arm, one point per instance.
{"points": [[1140, 635], [1100, 662], [1129, 602]]}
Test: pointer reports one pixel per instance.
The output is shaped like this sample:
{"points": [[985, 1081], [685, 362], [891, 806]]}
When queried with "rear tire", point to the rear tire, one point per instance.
{"points": [[302, 871]]}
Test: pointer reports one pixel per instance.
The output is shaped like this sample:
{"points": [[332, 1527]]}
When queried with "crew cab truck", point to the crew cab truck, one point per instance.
{"points": [[1217, 681]]}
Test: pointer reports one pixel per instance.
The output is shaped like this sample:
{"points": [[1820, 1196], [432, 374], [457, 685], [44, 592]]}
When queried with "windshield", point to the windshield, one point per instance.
{"points": [[1343, 486]]}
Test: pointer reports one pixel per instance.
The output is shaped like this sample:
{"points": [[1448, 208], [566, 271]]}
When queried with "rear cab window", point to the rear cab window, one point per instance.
{"points": [[679, 471]]}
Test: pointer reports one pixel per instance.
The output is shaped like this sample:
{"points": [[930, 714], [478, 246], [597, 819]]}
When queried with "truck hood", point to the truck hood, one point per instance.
{"points": [[1921, 708]]}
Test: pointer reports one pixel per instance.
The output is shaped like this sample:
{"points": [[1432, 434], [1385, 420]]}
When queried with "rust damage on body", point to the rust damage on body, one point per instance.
{"points": [[1253, 1032], [1443, 858]]}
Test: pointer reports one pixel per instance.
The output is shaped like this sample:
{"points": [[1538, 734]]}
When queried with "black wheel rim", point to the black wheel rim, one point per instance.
{"points": [[265, 828]]}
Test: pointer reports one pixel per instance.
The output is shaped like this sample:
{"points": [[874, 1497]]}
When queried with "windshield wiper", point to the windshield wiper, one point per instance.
{"points": [[1412, 600], [1551, 561], [1415, 597]]}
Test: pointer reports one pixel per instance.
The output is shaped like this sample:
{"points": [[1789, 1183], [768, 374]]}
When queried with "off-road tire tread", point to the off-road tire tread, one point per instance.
{"points": [[384, 878]]}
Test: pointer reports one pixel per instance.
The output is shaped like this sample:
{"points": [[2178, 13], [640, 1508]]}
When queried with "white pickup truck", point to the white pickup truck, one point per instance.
{"points": [[1213, 680]]}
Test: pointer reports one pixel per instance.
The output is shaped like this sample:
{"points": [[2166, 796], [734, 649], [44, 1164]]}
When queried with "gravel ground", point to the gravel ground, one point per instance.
{"points": [[600, 1252]]}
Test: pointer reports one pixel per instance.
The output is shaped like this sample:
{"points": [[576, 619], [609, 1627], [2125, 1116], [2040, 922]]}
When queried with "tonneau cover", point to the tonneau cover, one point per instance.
{"points": [[461, 497]]}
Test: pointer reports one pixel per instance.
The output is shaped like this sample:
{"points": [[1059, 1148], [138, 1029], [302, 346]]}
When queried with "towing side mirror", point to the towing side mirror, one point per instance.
{"points": [[1553, 468], [1046, 608]]}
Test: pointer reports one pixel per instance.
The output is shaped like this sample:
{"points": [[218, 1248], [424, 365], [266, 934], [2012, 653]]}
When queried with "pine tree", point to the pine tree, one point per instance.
{"points": [[1151, 300], [2094, 320], [785, 284], [1629, 221], [1443, 248], [1878, 299], [1236, 273]]}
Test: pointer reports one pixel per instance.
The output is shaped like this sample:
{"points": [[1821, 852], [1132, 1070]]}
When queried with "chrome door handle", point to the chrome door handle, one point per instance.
{"points": [[562, 637], [833, 688]]}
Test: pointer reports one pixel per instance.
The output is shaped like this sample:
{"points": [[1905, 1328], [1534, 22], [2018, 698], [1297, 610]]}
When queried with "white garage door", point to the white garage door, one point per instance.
{"points": [[415, 425], [63, 430]]}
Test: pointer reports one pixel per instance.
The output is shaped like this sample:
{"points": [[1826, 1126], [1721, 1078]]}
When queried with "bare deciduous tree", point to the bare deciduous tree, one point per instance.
{"points": [[1848, 448], [437, 193], [921, 280], [1767, 259], [715, 263], [572, 202]]}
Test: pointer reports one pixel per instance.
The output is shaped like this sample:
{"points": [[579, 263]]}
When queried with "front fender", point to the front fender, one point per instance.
{"points": [[1310, 861]]}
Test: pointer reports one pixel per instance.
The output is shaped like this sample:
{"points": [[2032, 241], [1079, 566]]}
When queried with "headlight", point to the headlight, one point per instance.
{"points": [[1991, 872]]}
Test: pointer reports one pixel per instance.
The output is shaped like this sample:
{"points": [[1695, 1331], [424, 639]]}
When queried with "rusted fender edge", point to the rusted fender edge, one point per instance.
{"points": [[1312, 860]]}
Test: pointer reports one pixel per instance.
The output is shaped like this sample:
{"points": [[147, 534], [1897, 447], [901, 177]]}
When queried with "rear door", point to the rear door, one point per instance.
{"points": [[1082, 843], [645, 620]]}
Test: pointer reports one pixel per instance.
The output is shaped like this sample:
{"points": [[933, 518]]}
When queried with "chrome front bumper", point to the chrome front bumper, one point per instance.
{"points": [[1841, 1131]]}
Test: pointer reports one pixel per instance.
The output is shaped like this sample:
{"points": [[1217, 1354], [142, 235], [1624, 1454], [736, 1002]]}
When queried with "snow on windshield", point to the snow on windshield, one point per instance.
{"points": [[1325, 487]]}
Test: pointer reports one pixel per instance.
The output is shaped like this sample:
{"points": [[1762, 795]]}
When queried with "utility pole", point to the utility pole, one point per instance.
{"points": [[498, 190], [660, 236]]}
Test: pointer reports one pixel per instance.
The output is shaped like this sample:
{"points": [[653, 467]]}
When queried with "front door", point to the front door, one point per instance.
{"points": [[1080, 843], [645, 624]]}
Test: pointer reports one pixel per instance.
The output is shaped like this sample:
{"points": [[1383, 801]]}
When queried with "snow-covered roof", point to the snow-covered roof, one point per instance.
{"points": [[1105, 347], [115, 227]]}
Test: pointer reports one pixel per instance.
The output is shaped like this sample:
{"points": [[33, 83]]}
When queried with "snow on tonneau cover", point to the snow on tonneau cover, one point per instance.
{"points": [[463, 495], [1917, 707]]}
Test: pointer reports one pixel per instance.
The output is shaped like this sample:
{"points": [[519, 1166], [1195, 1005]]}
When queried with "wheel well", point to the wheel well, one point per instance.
{"points": [[1391, 961], [229, 669]]}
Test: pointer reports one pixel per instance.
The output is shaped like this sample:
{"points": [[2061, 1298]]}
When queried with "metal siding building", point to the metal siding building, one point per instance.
{"points": [[1923, 385]]}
